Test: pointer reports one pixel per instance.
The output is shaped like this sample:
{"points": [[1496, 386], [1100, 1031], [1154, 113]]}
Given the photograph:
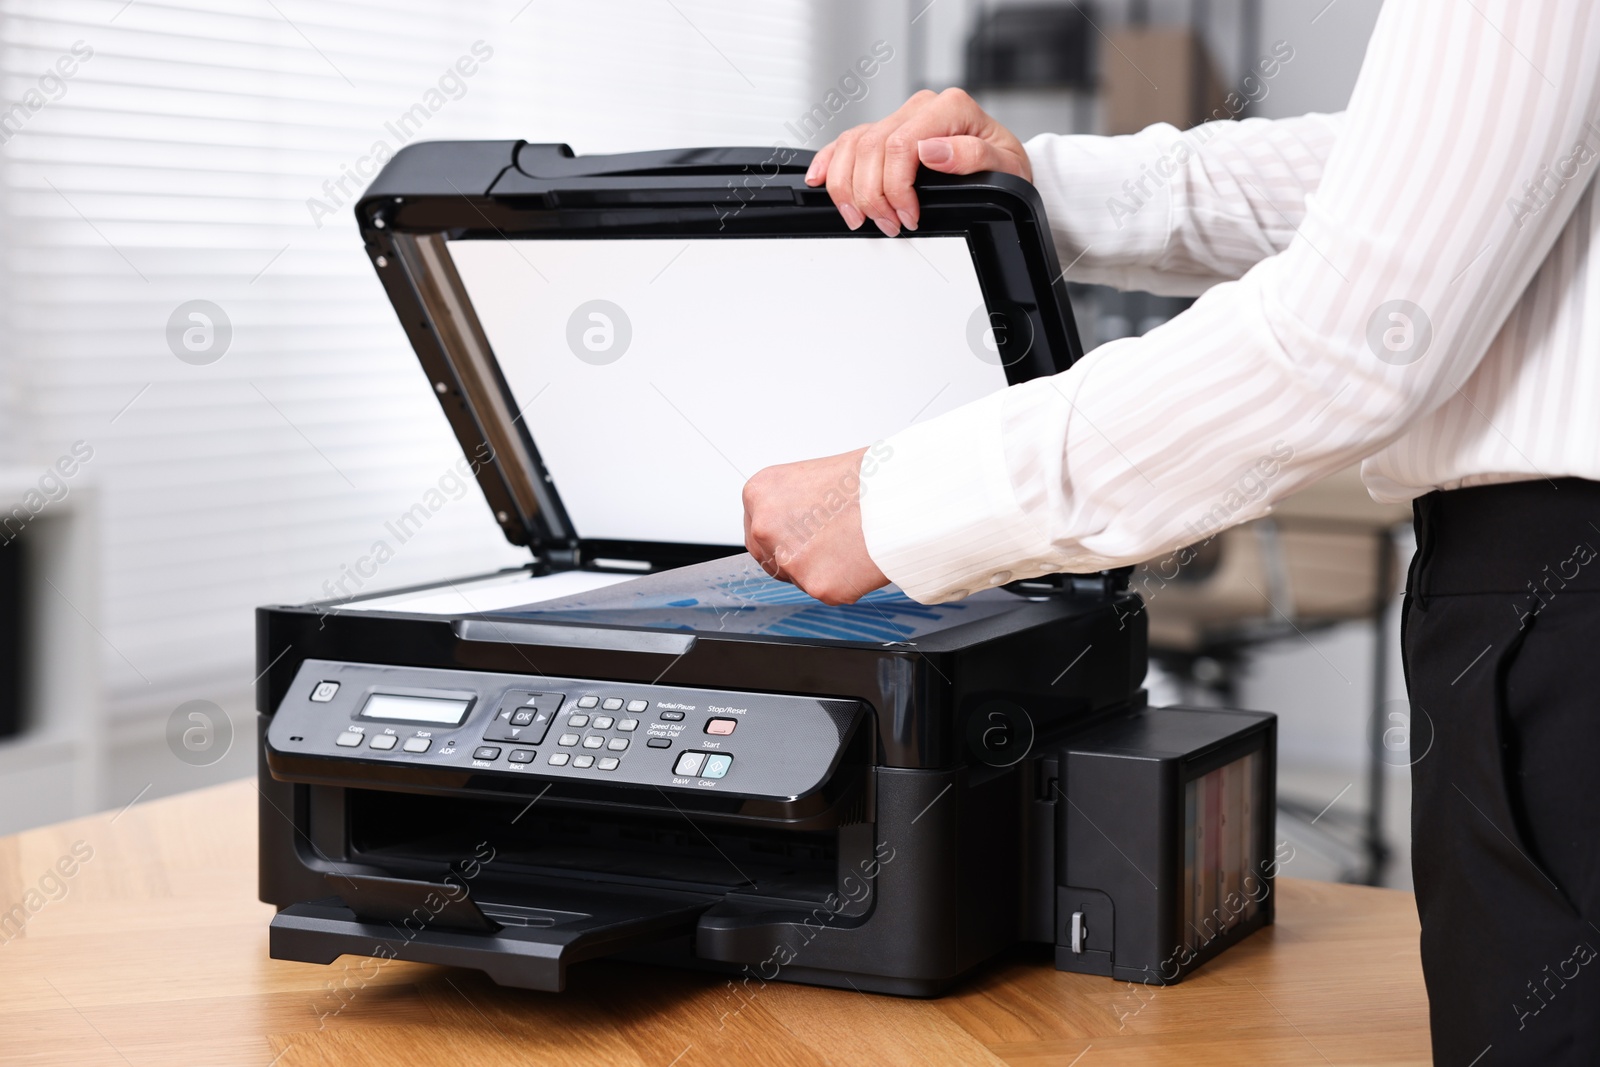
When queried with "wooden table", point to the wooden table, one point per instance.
{"points": [[154, 951]]}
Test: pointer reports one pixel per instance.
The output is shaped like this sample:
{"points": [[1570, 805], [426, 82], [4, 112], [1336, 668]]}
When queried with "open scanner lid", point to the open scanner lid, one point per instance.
{"points": [[620, 341]]}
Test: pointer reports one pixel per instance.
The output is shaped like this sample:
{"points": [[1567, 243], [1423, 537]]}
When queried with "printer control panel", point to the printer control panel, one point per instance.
{"points": [[751, 744]]}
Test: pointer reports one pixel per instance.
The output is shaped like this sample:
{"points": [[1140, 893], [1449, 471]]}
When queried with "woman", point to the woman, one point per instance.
{"points": [[1414, 283]]}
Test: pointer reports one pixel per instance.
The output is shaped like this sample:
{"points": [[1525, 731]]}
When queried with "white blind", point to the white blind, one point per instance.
{"points": [[176, 163]]}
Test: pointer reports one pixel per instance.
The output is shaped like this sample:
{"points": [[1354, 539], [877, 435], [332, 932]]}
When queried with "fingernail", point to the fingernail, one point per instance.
{"points": [[852, 217], [934, 151], [811, 172], [889, 229], [907, 220]]}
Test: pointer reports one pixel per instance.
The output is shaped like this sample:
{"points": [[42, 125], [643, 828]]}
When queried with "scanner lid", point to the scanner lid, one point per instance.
{"points": [[620, 341]]}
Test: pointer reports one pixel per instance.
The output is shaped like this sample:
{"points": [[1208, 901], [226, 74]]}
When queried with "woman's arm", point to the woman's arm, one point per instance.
{"points": [[1176, 212], [1404, 267], [1163, 210]]}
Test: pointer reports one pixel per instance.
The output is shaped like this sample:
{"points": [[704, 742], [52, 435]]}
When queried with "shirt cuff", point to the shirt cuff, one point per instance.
{"points": [[938, 511]]}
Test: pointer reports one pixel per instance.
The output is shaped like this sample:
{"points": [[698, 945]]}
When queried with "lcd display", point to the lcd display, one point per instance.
{"points": [[657, 376], [440, 711]]}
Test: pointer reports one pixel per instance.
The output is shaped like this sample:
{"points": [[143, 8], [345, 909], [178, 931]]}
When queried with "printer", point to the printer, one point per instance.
{"points": [[638, 745]]}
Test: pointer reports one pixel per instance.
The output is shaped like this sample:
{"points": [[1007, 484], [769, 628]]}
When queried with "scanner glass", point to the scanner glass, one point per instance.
{"points": [[734, 595]]}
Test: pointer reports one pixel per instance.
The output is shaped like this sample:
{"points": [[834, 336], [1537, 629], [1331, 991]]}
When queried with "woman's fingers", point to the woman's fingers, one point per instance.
{"points": [[870, 170], [841, 174], [817, 173]]}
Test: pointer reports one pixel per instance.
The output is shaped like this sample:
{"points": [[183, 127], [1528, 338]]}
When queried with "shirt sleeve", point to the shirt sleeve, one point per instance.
{"points": [[1410, 254], [1175, 212]]}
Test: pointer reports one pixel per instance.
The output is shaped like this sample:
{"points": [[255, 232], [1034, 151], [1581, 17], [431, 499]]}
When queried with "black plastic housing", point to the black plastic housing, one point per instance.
{"points": [[1000, 775], [1122, 784], [923, 696]]}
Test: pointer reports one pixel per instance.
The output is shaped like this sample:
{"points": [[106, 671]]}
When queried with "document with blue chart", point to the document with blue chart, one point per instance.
{"points": [[734, 595]]}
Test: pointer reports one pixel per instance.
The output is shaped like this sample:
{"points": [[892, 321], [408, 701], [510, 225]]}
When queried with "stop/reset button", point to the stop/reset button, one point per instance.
{"points": [[721, 727]]}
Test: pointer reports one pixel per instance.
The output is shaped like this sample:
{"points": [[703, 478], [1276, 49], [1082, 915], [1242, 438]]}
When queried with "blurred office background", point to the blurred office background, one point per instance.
{"points": [[161, 474]]}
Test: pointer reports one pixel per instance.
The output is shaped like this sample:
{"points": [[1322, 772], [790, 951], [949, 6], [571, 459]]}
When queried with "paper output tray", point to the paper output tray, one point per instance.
{"points": [[527, 945]]}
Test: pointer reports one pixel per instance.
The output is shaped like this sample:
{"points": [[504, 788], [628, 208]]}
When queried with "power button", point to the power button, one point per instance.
{"points": [[324, 692]]}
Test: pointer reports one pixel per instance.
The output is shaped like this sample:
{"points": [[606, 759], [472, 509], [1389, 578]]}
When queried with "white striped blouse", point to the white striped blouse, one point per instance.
{"points": [[1414, 283]]}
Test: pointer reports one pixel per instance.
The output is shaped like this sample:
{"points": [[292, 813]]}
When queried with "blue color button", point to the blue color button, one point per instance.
{"points": [[716, 766]]}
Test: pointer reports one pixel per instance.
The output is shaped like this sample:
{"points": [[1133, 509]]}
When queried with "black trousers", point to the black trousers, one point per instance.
{"points": [[1502, 653]]}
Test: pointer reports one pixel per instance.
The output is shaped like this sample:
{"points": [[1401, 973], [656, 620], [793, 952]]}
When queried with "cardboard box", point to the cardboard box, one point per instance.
{"points": [[1153, 74]]}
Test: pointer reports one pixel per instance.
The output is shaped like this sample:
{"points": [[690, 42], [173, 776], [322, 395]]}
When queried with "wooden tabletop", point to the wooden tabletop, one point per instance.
{"points": [[143, 943]]}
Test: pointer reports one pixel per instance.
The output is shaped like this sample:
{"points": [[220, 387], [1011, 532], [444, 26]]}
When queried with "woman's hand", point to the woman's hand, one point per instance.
{"points": [[869, 169], [802, 523]]}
